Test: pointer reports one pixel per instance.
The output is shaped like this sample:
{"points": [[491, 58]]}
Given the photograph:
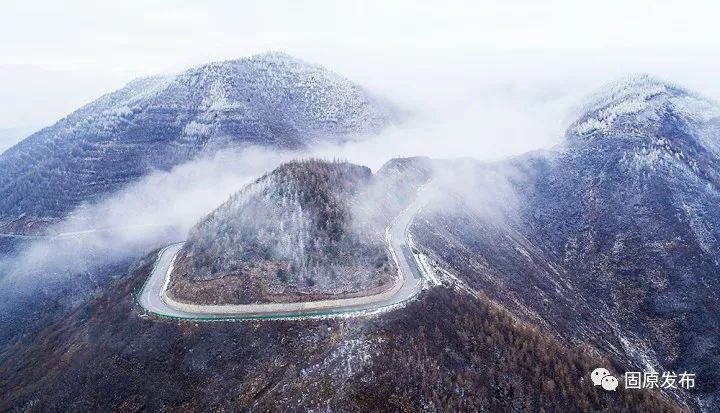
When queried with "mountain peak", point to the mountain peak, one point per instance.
{"points": [[633, 86], [290, 234], [637, 82], [270, 100], [275, 55], [632, 103], [258, 61]]}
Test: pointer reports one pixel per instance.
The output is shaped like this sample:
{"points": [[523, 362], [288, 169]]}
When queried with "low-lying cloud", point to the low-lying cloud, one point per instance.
{"points": [[481, 123], [495, 122], [155, 211]]}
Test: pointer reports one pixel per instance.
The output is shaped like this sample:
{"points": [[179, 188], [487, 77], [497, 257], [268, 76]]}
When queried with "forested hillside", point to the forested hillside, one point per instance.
{"points": [[449, 350], [289, 235]]}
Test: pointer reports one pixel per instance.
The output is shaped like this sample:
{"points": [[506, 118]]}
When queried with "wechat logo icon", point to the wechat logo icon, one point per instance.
{"points": [[602, 377]]}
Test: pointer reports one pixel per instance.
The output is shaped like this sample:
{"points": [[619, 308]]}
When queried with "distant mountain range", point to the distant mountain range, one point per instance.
{"points": [[271, 100]]}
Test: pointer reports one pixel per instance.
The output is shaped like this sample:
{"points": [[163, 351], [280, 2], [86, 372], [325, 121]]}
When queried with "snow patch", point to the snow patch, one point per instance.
{"points": [[194, 128], [605, 118]]}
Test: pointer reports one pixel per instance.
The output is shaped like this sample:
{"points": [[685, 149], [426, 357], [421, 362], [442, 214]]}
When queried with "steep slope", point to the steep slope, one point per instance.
{"points": [[289, 236], [155, 123], [446, 351], [614, 238]]}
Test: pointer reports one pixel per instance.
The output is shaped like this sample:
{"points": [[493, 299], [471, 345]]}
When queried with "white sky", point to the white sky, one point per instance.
{"points": [[55, 56]]}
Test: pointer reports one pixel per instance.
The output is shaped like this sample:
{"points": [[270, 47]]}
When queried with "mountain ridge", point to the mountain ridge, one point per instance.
{"points": [[155, 123]]}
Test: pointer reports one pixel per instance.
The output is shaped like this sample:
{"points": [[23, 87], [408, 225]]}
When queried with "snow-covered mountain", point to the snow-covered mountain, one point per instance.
{"points": [[270, 100], [603, 252], [668, 122], [614, 239]]}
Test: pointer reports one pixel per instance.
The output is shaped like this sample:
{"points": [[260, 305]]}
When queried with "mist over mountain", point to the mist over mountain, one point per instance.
{"points": [[359, 207], [135, 168], [539, 268], [154, 123], [614, 238], [451, 347]]}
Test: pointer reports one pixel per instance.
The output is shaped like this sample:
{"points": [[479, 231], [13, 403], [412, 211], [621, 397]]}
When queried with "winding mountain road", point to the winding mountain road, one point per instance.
{"points": [[153, 297]]}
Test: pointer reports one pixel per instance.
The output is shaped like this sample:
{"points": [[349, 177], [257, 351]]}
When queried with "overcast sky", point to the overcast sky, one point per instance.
{"points": [[55, 56]]}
